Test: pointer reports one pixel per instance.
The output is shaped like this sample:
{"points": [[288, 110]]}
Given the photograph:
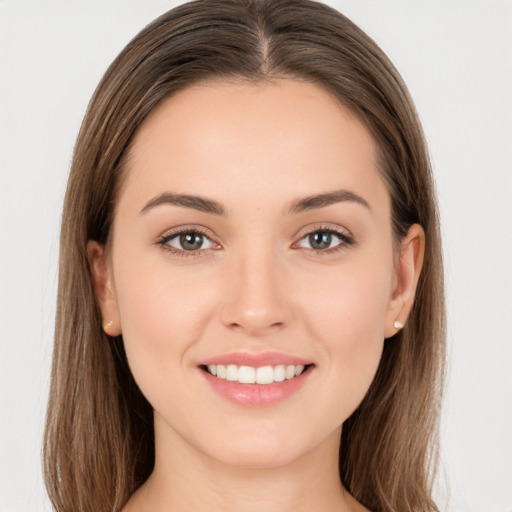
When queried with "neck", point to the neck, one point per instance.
{"points": [[186, 479]]}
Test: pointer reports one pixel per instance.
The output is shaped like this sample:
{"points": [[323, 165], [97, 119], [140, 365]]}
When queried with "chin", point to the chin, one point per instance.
{"points": [[259, 451], [258, 459]]}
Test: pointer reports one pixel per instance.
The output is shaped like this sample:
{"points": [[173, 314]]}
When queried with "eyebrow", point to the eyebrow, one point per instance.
{"points": [[187, 201], [327, 199], [205, 205]]}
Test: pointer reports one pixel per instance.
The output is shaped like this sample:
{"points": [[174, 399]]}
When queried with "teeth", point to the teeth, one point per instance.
{"points": [[279, 373], [250, 375], [221, 371], [265, 375], [232, 372], [246, 375]]}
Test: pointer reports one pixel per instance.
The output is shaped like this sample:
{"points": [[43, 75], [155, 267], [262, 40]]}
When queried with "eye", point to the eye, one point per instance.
{"points": [[189, 241], [325, 240]]}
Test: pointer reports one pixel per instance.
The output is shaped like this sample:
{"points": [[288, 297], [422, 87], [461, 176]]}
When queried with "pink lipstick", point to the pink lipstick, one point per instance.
{"points": [[256, 379]]}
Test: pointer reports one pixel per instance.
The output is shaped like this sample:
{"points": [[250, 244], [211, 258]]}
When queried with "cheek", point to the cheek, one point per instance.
{"points": [[348, 319], [350, 301], [162, 315]]}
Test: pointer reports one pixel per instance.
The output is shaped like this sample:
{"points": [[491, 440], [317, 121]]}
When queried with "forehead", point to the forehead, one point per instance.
{"points": [[242, 139]]}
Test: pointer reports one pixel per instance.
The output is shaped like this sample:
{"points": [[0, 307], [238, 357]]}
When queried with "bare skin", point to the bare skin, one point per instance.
{"points": [[271, 270]]}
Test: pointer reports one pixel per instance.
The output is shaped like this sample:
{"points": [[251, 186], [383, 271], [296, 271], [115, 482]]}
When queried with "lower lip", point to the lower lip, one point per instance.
{"points": [[256, 394]]}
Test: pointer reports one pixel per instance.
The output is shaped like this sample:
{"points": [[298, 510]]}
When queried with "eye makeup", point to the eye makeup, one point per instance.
{"points": [[320, 238], [191, 241]]}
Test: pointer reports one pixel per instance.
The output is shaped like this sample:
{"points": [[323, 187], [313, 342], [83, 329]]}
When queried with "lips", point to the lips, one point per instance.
{"points": [[256, 379], [255, 360]]}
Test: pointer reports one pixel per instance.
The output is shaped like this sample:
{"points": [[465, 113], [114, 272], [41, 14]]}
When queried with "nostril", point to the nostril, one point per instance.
{"points": [[256, 329]]}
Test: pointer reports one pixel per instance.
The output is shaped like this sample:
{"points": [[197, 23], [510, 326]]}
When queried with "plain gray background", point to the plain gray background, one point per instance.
{"points": [[456, 57]]}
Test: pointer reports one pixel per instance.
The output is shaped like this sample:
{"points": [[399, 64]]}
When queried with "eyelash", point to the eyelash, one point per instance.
{"points": [[164, 240], [346, 241]]}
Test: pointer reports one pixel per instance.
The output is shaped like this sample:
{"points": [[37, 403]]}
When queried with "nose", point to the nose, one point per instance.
{"points": [[255, 296]]}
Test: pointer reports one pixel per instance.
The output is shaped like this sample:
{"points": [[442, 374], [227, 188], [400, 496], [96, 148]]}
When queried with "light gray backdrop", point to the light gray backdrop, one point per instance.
{"points": [[455, 55]]}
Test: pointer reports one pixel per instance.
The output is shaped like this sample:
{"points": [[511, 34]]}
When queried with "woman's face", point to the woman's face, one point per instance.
{"points": [[252, 230]]}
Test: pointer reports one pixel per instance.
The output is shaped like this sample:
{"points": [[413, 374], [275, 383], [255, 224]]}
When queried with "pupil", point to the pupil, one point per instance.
{"points": [[191, 241], [320, 240]]}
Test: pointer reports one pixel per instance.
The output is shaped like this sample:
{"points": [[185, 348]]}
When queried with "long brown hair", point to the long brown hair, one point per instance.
{"points": [[99, 444]]}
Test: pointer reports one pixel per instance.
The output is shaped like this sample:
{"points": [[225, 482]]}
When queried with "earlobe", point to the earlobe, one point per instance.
{"points": [[104, 288], [407, 275]]}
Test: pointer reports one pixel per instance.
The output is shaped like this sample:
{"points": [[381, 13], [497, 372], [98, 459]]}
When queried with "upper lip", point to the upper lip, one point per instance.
{"points": [[256, 360]]}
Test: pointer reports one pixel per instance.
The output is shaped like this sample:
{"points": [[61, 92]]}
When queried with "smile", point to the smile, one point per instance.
{"points": [[251, 375], [256, 379]]}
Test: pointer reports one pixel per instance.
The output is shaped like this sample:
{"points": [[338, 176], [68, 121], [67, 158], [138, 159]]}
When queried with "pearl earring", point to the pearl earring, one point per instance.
{"points": [[108, 325], [398, 325]]}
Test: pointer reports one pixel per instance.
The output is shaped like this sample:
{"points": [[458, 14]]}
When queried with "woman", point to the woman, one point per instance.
{"points": [[250, 307]]}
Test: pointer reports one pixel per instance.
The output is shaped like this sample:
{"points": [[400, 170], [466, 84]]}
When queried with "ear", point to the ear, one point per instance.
{"points": [[104, 288], [406, 280]]}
